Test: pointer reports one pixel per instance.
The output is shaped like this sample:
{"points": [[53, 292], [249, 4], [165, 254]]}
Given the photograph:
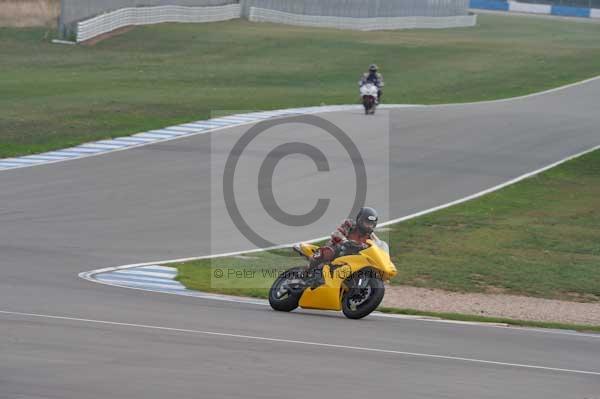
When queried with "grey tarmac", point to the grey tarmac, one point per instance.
{"points": [[159, 202]]}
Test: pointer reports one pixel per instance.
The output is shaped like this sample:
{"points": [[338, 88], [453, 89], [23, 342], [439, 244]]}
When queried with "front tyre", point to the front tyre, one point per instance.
{"points": [[285, 299], [369, 104], [364, 292]]}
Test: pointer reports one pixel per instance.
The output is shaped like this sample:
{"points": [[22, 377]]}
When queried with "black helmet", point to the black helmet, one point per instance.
{"points": [[373, 68], [366, 220]]}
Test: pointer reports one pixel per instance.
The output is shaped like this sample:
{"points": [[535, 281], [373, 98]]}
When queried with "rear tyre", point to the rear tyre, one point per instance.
{"points": [[364, 293], [285, 300]]}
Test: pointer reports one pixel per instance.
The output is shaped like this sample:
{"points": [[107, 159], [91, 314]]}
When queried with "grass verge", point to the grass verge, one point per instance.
{"points": [[57, 96], [199, 275], [539, 237], [483, 319]]}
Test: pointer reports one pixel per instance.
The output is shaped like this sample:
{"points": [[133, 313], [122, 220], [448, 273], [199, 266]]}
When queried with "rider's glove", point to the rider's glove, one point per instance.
{"points": [[337, 238], [345, 227]]}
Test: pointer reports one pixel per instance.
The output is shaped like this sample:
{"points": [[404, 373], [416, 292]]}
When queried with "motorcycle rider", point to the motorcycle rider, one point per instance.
{"points": [[358, 231], [373, 76]]}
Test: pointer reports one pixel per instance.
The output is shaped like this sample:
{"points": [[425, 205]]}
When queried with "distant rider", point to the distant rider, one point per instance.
{"points": [[358, 231], [373, 76]]}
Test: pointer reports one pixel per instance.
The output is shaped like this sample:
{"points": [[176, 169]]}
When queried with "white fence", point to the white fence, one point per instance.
{"points": [[153, 15], [531, 8], [362, 8], [380, 23]]}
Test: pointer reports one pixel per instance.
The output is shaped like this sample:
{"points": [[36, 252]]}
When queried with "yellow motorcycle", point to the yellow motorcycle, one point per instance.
{"points": [[352, 283]]}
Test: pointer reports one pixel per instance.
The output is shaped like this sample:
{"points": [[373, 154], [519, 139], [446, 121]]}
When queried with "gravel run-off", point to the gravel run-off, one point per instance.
{"points": [[492, 305]]}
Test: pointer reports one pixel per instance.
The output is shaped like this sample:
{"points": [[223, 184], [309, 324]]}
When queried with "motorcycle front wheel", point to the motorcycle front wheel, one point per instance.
{"points": [[369, 105], [284, 299], [364, 292]]}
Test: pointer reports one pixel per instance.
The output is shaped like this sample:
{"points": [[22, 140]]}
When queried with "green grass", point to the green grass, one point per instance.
{"points": [[484, 319], [202, 274], [539, 237], [55, 96]]}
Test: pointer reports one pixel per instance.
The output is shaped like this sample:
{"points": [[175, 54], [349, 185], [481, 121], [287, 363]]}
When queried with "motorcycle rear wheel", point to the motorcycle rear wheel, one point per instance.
{"points": [[289, 300], [358, 302]]}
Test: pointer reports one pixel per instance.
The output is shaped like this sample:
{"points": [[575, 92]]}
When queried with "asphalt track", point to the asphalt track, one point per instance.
{"points": [[161, 202]]}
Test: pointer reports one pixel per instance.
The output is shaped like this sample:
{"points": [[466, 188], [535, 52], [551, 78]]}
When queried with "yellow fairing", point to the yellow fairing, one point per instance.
{"points": [[329, 295], [308, 249]]}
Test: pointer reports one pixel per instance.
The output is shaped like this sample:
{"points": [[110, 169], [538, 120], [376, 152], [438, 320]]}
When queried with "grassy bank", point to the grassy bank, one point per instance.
{"points": [[540, 237], [55, 96]]}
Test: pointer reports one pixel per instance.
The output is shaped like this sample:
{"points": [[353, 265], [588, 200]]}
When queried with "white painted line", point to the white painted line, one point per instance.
{"points": [[389, 222], [207, 124], [503, 100], [90, 275], [145, 273], [286, 112], [237, 119], [114, 142], [10, 163], [217, 122], [132, 139], [152, 135], [139, 279], [83, 150], [160, 268], [93, 275], [181, 130], [128, 283], [305, 343], [165, 132], [44, 157], [243, 118], [491, 189], [20, 161], [64, 153], [168, 132], [203, 126], [100, 146]]}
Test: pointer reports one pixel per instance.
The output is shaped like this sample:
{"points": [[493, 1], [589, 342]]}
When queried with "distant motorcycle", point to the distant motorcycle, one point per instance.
{"points": [[369, 94]]}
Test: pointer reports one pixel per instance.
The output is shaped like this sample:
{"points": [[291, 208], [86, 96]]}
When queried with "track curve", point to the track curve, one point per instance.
{"points": [[152, 202]]}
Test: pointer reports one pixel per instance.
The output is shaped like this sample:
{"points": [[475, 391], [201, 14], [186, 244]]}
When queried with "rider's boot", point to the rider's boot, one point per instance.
{"points": [[314, 273]]}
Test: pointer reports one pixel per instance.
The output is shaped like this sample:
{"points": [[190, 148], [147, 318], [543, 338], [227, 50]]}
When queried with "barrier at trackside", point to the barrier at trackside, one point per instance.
{"points": [[524, 7], [571, 11], [453, 14], [364, 24], [108, 22], [490, 5]]}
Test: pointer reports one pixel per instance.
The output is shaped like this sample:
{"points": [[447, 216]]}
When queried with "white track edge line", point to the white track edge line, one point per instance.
{"points": [[89, 275], [308, 343], [305, 111]]}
